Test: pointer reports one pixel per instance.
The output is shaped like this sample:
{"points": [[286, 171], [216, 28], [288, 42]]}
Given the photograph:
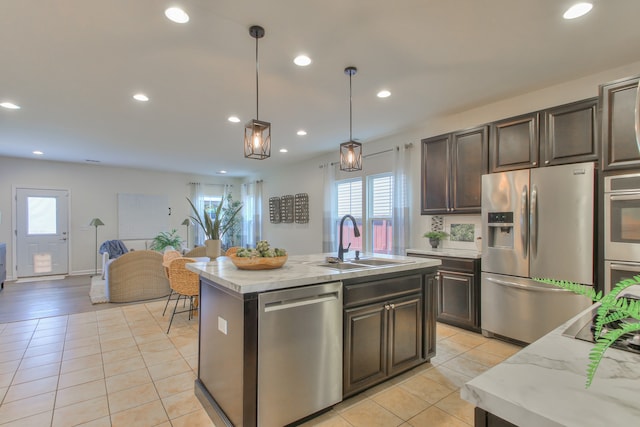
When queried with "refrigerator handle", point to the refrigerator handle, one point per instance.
{"points": [[524, 223], [533, 227], [637, 116]]}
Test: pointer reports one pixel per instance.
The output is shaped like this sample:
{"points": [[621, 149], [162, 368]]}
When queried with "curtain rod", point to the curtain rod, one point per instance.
{"points": [[406, 147]]}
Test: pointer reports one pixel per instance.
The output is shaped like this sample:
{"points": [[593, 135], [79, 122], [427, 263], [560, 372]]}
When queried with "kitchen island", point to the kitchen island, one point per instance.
{"points": [[276, 346], [543, 385]]}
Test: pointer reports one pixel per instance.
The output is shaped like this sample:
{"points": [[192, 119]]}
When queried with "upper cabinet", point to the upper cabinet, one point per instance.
{"points": [[570, 133], [559, 135], [452, 168], [514, 143], [620, 145]]}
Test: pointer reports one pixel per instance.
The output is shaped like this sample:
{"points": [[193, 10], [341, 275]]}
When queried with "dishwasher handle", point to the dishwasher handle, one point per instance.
{"points": [[299, 302]]}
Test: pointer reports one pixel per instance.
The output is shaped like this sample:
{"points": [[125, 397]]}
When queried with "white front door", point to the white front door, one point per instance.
{"points": [[42, 243]]}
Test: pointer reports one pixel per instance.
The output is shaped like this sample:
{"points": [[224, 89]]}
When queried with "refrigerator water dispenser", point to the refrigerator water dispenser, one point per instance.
{"points": [[500, 228]]}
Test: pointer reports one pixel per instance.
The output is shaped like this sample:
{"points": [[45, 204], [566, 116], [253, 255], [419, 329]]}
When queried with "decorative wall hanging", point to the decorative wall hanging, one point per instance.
{"points": [[302, 208], [274, 210], [287, 212]]}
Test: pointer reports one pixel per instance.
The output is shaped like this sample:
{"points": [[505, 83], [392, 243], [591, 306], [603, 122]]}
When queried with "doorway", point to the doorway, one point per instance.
{"points": [[42, 231]]}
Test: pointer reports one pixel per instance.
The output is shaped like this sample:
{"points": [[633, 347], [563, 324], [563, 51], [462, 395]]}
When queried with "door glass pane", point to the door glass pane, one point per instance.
{"points": [[41, 215]]}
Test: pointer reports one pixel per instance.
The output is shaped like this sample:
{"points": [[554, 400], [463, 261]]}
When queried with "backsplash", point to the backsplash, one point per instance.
{"points": [[463, 230]]}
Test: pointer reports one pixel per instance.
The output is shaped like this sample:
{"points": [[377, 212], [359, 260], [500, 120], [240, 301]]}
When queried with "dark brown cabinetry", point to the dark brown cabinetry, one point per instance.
{"points": [[452, 167], [458, 291], [570, 133], [385, 329], [564, 134], [514, 143], [618, 102]]}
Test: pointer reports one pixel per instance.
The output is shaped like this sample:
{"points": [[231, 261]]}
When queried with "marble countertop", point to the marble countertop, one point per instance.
{"points": [[451, 252], [298, 271], [544, 385]]}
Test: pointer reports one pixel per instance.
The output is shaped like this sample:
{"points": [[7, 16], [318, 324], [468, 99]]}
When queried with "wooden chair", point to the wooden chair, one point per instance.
{"points": [[185, 283]]}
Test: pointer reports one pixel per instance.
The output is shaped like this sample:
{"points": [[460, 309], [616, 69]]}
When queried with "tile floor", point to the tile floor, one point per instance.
{"points": [[117, 367]]}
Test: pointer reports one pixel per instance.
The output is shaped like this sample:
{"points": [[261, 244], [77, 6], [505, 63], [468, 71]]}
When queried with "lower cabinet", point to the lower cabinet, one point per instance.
{"points": [[458, 291], [384, 334], [483, 418]]}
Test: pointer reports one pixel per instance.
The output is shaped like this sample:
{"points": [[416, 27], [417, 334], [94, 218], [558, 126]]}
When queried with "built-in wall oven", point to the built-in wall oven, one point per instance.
{"points": [[621, 227]]}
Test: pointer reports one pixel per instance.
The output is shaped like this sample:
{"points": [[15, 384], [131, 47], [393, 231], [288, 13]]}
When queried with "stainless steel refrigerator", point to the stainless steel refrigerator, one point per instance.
{"points": [[535, 223]]}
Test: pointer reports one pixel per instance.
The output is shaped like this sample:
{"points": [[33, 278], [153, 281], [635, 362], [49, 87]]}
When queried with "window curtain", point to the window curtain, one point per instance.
{"points": [[251, 196], [401, 199], [197, 198], [329, 219]]}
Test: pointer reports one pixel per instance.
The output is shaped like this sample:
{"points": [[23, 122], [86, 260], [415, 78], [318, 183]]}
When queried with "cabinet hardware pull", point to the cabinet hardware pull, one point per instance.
{"points": [[393, 306]]}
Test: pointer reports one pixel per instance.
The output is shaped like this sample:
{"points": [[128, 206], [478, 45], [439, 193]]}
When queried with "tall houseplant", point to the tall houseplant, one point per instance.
{"points": [[216, 222], [612, 307]]}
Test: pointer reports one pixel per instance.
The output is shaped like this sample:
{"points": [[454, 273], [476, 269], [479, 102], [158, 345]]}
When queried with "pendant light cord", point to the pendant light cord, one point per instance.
{"points": [[257, 84], [350, 110]]}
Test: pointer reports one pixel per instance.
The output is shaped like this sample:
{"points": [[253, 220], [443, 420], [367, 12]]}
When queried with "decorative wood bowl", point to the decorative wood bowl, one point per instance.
{"points": [[257, 263]]}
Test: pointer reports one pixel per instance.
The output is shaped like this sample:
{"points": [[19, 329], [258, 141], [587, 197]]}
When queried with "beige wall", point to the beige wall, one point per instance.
{"points": [[93, 193]]}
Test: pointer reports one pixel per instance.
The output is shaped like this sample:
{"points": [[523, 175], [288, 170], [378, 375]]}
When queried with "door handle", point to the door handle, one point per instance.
{"points": [[524, 223], [637, 116], [533, 227]]}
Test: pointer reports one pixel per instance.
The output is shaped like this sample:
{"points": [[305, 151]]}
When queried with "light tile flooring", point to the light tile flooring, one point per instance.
{"points": [[117, 367]]}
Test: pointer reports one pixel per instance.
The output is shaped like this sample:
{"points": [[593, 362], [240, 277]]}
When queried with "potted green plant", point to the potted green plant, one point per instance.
{"points": [[435, 237], [166, 239], [215, 223], [612, 307]]}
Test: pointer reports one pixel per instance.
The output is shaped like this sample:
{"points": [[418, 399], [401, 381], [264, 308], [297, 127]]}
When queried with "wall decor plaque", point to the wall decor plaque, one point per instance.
{"points": [[274, 210], [287, 212], [302, 208]]}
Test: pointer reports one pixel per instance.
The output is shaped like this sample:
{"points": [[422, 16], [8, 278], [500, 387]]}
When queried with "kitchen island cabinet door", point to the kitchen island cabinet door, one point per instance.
{"points": [[570, 133], [365, 349], [514, 143], [405, 333], [618, 103]]}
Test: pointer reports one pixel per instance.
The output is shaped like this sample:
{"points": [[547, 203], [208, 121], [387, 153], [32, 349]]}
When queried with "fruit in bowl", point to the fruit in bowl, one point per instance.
{"points": [[263, 257]]}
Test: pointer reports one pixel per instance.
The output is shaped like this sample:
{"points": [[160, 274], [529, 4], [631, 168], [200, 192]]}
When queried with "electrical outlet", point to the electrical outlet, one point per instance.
{"points": [[222, 325]]}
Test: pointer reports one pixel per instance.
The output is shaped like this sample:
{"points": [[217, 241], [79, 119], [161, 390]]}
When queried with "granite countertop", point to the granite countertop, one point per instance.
{"points": [[298, 271], [544, 385], [451, 252]]}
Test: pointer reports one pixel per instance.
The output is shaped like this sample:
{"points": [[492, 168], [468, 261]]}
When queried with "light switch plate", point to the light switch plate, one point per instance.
{"points": [[222, 325]]}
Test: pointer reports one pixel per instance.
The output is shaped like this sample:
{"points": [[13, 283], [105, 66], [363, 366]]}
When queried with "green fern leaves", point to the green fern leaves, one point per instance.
{"points": [[612, 307]]}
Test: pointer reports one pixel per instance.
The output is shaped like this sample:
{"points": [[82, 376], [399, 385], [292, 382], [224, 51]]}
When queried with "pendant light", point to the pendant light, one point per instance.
{"points": [[350, 151], [257, 133]]}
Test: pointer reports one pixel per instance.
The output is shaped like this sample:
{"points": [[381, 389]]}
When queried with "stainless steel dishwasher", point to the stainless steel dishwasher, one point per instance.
{"points": [[299, 352]]}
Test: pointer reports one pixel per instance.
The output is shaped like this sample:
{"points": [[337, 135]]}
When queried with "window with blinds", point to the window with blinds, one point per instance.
{"points": [[377, 230], [350, 203], [380, 213]]}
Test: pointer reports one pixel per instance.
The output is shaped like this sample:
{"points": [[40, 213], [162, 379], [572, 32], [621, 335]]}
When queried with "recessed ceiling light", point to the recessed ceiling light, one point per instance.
{"points": [[10, 105], [177, 15], [284, 150], [577, 10], [301, 132], [141, 97], [302, 60], [222, 172], [234, 119], [384, 94], [38, 153]]}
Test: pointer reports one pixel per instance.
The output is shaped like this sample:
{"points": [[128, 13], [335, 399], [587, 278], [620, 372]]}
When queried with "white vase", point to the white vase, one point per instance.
{"points": [[212, 248]]}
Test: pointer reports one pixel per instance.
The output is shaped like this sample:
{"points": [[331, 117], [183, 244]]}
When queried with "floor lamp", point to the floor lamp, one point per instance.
{"points": [[187, 223], [96, 222]]}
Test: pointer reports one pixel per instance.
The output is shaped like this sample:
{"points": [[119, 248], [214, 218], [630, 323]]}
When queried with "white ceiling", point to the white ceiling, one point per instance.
{"points": [[73, 66]]}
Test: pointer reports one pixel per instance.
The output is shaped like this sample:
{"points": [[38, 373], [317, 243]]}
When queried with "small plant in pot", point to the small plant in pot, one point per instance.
{"points": [[435, 237], [166, 239]]}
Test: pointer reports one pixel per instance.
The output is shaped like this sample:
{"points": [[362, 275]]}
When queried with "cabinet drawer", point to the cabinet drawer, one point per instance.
{"points": [[457, 264], [368, 292]]}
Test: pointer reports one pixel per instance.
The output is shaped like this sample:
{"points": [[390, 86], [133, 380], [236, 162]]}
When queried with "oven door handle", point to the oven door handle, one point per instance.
{"points": [[637, 116], [626, 267], [627, 196]]}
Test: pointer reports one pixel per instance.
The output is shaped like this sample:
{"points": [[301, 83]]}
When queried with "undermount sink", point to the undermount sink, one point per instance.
{"points": [[362, 263], [377, 261], [343, 266]]}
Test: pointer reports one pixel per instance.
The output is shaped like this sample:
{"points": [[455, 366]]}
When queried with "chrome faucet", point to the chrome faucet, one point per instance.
{"points": [[356, 232]]}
